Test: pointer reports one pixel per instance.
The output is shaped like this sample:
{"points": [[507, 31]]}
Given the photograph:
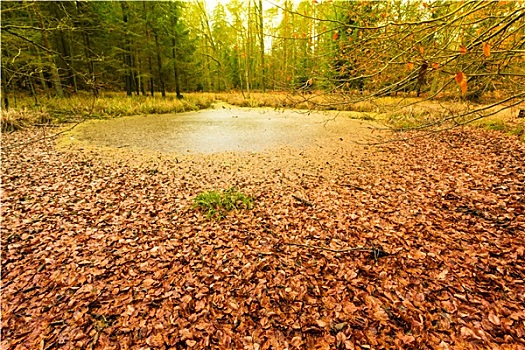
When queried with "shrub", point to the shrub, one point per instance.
{"points": [[217, 204]]}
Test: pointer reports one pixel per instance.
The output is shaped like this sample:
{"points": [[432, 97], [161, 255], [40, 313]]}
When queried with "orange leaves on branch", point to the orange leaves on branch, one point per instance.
{"points": [[461, 79], [486, 49], [463, 50], [410, 65], [435, 65], [335, 36]]}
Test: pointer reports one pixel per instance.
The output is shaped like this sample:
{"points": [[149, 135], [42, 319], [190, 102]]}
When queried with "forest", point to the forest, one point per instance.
{"points": [[59, 48], [263, 174]]}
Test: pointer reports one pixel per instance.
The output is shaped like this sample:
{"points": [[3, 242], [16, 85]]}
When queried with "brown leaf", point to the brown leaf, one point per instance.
{"points": [[155, 340], [185, 333], [494, 319], [321, 323], [148, 282], [191, 343], [442, 275]]}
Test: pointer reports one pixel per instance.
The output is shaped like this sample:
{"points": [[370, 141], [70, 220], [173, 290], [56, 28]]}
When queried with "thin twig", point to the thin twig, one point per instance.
{"points": [[360, 249], [353, 186], [303, 201], [8, 148]]}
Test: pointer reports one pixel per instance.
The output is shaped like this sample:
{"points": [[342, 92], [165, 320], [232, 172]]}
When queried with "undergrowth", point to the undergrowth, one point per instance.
{"points": [[510, 127], [108, 105], [217, 204], [399, 113]]}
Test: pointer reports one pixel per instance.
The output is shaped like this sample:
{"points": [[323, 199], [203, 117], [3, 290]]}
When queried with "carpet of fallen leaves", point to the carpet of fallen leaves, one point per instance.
{"points": [[105, 252]]}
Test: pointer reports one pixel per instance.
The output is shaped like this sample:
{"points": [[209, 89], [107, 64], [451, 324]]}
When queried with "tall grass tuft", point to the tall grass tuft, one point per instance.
{"points": [[107, 105], [217, 204]]}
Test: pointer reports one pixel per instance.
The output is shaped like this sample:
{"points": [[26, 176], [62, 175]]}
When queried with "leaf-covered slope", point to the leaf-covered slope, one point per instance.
{"points": [[108, 254]]}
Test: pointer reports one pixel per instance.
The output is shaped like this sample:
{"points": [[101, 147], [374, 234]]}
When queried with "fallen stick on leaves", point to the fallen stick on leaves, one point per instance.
{"points": [[303, 201], [376, 252]]}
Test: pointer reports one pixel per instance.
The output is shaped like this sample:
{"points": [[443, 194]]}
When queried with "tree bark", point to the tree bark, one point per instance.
{"points": [[127, 55], [261, 41], [175, 67], [5, 90], [55, 76], [159, 64]]}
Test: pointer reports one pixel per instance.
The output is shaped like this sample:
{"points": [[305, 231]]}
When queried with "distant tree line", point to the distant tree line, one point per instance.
{"points": [[57, 48], [467, 48]]}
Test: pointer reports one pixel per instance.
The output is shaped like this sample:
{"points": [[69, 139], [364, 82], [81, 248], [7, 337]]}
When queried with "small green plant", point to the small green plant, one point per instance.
{"points": [[217, 204], [519, 131], [496, 125]]}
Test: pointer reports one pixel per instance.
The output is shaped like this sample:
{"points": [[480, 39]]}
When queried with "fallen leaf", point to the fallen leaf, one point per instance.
{"points": [[494, 319]]}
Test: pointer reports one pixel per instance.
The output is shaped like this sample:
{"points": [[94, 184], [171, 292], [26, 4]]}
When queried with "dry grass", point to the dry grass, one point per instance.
{"points": [[13, 120], [398, 112], [107, 105]]}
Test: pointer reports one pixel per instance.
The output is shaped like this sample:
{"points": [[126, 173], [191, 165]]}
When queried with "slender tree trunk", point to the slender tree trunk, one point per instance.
{"points": [[151, 85], [74, 76], [90, 63], [286, 43], [64, 48], [40, 63], [55, 76], [175, 67], [127, 55], [248, 49], [5, 90], [261, 41], [33, 92], [135, 76], [159, 64], [140, 80]]}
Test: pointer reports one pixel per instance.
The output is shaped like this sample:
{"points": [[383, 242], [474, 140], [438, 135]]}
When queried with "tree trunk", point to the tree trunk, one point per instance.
{"points": [[63, 47], [175, 68], [127, 55], [151, 85], [55, 76], [135, 71], [159, 65], [4, 87], [261, 41]]}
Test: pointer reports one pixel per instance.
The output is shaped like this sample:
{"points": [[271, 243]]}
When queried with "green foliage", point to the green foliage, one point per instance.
{"points": [[497, 125], [519, 131], [217, 204], [509, 127]]}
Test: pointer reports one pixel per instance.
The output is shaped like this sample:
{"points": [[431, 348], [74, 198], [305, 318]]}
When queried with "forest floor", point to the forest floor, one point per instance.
{"points": [[102, 252]]}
